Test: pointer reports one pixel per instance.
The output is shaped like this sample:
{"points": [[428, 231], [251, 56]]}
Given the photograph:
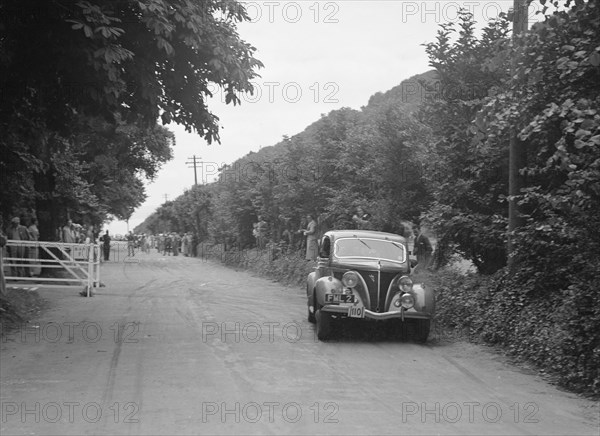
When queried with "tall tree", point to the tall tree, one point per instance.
{"points": [[136, 61], [469, 183]]}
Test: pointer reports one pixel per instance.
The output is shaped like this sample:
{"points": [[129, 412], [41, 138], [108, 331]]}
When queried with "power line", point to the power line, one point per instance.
{"points": [[193, 163]]}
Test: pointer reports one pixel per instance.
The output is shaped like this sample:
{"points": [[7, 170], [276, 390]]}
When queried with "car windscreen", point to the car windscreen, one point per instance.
{"points": [[370, 249]]}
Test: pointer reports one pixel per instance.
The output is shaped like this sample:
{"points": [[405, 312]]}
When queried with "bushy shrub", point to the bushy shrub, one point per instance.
{"points": [[558, 331], [289, 268]]}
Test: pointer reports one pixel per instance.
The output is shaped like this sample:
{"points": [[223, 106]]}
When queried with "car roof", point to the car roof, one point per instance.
{"points": [[336, 234]]}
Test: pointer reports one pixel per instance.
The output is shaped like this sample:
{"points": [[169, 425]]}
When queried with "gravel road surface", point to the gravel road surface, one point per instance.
{"points": [[175, 345]]}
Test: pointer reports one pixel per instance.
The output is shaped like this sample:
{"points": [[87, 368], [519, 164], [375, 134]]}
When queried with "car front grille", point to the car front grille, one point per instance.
{"points": [[375, 288]]}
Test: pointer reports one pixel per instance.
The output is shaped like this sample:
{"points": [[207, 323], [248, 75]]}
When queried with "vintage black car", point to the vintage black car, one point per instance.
{"points": [[366, 275]]}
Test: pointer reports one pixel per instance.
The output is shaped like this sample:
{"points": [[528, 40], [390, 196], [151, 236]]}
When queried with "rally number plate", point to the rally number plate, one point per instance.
{"points": [[356, 312], [339, 298]]}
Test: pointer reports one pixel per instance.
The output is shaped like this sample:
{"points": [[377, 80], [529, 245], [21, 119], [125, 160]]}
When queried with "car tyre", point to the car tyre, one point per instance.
{"points": [[423, 328], [324, 325]]}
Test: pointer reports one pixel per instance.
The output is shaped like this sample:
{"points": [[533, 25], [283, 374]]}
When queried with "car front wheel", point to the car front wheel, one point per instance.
{"points": [[324, 325]]}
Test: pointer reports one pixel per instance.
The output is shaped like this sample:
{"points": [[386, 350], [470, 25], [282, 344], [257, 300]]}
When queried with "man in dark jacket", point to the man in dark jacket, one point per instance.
{"points": [[422, 249], [106, 245]]}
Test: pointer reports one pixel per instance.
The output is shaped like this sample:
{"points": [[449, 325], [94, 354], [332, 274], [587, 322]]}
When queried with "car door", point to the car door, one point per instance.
{"points": [[324, 258]]}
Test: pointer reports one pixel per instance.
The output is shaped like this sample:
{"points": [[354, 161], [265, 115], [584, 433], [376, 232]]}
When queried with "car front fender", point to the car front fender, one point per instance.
{"points": [[310, 284], [326, 285], [424, 298]]}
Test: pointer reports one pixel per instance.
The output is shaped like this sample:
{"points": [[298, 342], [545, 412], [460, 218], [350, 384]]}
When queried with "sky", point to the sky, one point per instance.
{"points": [[318, 56]]}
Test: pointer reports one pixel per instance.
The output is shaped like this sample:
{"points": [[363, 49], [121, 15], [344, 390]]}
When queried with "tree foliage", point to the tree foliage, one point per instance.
{"points": [[469, 183], [549, 310], [67, 66]]}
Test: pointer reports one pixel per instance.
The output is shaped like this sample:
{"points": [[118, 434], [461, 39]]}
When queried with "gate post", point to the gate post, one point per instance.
{"points": [[90, 274]]}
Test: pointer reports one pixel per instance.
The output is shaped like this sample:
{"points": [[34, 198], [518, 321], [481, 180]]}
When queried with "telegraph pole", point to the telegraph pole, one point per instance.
{"points": [[166, 197], [517, 153], [192, 162]]}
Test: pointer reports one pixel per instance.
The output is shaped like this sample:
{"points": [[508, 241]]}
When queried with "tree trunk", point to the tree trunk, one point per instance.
{"points": [[517, 155], [46, 207]]}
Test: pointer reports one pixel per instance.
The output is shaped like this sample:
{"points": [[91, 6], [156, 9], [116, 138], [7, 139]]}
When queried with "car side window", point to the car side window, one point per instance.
{"points": [[325, 249]]}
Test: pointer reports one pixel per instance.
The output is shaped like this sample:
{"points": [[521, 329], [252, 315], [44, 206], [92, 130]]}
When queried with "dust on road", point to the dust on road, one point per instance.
{"points": [[174, 345]]}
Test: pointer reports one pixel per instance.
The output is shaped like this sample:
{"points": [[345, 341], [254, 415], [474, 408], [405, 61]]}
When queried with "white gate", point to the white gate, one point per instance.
{"points": [[80, 261]]}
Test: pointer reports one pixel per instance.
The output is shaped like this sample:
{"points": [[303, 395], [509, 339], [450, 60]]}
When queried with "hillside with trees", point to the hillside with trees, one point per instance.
{"points": [[434, 150]]}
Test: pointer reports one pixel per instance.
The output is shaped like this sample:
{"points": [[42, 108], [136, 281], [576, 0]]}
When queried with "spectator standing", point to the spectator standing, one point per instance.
{"points": [[167, 245], [160, 246], [405, 229], [18, 232], [176, 245], [145, 243], [34, 252], [151, 242], [186, 243], [68, 233], [260, 232], [106, 245], [422, 249], [312, 247], [361, 219], [301, 244], [130, 244], [79, 233], [89, 235]]}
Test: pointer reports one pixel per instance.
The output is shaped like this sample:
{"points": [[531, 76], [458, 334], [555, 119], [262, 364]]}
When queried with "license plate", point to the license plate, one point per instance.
{"points": [[356, 312], [339, 298]]}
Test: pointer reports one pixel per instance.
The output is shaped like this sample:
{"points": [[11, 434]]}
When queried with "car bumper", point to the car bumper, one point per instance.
{"points": [[379, 316]]}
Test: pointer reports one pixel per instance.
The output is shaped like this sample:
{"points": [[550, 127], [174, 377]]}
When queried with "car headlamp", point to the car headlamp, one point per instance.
{"points": [[350, 279], [407, 300], [405, 284]]}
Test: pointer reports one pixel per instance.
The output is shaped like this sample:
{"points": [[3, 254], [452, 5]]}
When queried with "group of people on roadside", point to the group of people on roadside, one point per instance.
{"points": [[289, 240], [422, 246], [174, 243], [26, 229], [177, 243], [169, 244], [19, 232], [73, 233]]}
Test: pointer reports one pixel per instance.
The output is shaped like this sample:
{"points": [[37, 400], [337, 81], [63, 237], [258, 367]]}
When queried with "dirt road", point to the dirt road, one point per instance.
{"points": [[182, 346]]}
